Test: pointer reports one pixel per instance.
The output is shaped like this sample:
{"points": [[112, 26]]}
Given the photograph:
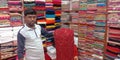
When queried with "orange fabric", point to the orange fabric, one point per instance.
{"points": [[50, 21]]}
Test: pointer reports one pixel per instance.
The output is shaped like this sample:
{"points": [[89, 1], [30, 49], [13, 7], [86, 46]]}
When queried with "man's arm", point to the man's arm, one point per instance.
{"points": [[21, 43], [45, 33]]}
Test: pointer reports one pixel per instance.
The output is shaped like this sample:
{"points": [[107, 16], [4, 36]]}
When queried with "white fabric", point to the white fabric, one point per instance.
{"points": [[33, 43]]}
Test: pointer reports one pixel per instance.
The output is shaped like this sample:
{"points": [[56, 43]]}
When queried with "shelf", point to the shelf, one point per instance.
{"points": [[114, 43]]}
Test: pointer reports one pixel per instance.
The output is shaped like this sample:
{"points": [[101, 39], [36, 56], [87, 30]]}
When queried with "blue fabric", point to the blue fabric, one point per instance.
{"points": [[50, 16], [57, 20]]}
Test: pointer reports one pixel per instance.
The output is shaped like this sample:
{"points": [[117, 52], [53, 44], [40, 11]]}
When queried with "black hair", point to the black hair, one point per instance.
{"points": [[29, 11]]}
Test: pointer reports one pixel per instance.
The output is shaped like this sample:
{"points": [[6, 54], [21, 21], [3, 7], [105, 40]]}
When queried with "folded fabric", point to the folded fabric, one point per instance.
{"points": [[92, 7], [101, 1], [49, 4], [40, 18], [50, 12], [112, 53], [43, 25], [57, 20], [100, 23], [39, 8], [58, 12], [113, 45], [29, 2], [49, 0], [99, 28], [51, 26], [114, 31], [57, 8], [57, 0], [4, 23], [100, 17], [83, 6], [29, 5], [113, 49], [109, 57], [40, 0], [57, 24], [50, 21], [16, 23], [57, 5], [101, 4], [14, 2], [40, 4], [50, 16], [114, 39], [114, 35]]}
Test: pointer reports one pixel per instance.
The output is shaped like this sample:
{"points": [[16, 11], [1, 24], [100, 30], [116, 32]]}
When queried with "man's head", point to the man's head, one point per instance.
{"points": [[30, 17]]}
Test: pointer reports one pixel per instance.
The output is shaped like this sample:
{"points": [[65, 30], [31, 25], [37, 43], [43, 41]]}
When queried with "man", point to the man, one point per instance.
{"points": [[29, 38]]}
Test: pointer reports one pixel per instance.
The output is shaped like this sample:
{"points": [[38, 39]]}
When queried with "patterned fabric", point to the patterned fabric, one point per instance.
{"points": [[64, 44]]}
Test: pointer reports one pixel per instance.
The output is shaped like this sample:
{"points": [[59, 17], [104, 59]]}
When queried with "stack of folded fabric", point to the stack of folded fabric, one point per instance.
{"points": [[112, 51], [65, 17], [29, 3], [40, 5], [50, 15], [40, 9], [3, 4], [4, 20], [57, 7], [75, 5], [114, 5], [15, 5], [101, 7], [75, 17], [16, 19], [90, 32], [65, 5]]}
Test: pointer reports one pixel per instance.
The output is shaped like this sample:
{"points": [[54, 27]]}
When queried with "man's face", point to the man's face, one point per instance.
{"points": [[30, 20]]}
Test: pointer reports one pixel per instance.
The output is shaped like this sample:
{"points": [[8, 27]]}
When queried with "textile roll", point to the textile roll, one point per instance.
{"points": [[64, 44]]}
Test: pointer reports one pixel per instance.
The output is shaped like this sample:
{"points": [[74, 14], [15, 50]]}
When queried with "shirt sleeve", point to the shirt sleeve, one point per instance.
{"points": [[21, 44], [45, 33]]}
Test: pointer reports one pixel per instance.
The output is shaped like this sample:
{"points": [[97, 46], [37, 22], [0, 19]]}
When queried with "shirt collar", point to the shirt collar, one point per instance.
{"points": [[27, 28]]}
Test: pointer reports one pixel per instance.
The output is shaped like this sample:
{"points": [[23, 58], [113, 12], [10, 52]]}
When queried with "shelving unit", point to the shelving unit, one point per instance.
{"points": [[89, 22], [113, 42], [10, 21]]}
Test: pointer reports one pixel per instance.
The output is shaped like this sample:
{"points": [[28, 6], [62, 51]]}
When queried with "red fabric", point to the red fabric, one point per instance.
{"points": [[47, 57], [113, 49], [75, 51], [64, 44]]}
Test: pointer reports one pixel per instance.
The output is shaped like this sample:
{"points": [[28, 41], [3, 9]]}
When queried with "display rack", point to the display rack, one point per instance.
{"points": [[10, 22], [88, 19], [113, 42]]}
